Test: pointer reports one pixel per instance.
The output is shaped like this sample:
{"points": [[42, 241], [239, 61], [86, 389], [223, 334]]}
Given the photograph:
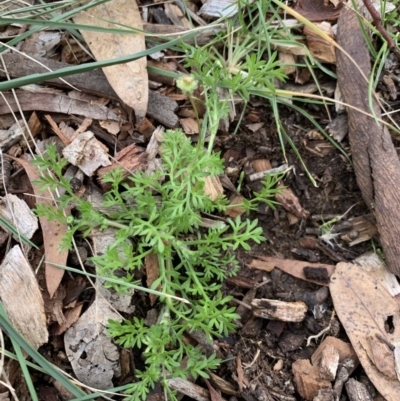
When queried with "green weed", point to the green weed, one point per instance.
{"points": [[161, 214]]}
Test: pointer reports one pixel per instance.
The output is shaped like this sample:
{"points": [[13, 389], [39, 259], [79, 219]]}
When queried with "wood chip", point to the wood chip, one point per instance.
{"points": [[87, 153], [279, 310], [320, 48], [18, 214], [189, 126], [19, 287], [308, 379], [213, 187]]}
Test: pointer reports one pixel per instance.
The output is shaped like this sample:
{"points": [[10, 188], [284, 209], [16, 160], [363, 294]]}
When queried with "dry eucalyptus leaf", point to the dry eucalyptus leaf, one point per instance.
{"points": [[153, 273], [371, 318], [53, 232], [129, 80]]}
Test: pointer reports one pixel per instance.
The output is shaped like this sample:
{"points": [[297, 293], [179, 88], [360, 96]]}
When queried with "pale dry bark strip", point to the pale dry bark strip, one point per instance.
{"points": [[376, 163]]}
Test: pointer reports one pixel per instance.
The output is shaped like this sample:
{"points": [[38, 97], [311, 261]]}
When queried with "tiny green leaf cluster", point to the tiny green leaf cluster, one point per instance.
{"points": [[162, 214]]}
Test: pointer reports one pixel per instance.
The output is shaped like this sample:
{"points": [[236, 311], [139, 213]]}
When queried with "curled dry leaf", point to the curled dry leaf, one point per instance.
{"points": [[290, 202], [129, 80], [297, 268]]}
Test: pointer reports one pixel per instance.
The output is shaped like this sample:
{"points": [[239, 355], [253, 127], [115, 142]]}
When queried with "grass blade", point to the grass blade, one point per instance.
{"points": [[48, 367]]}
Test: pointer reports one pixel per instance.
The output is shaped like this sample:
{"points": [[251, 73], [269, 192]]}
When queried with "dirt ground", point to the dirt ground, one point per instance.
{"points": [[269, 348]]}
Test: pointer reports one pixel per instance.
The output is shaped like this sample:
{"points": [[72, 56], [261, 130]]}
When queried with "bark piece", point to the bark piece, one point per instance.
{"points": [[103, 239], [290, 202], [192, 390], [213, 187], [19, 287], [55, 103], [223, 385], [160, 107], [338, 127], [291, 342], [320, 48], [17, 213], [328, 362], [152, 273], [131, 158], [363, 227], [279, 310], [357, 391], [318, 10], [87, 153], [376, 163], [93, 356], [308, 379], [288, 62], [177, 17], [218, 8], [11, 136], [344, 350], [189, 126], [204, 36], [93, 82], [236, 209], [325, 395]]}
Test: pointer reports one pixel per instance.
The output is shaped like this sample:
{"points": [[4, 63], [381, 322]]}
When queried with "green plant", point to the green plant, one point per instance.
{"points": [[161, 214]]}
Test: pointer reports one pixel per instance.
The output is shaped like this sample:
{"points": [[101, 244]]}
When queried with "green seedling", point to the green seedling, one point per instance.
{"points": [[160, 214], [327, 234]]}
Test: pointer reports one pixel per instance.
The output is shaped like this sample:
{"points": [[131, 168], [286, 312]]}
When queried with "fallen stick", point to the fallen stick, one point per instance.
{"points": [[376, 163]]}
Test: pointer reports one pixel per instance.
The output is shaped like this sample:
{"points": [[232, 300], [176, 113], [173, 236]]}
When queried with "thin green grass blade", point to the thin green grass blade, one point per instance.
{"points": [[25, 371], [36, 10], [63, 72], [87, 397], [316, 81], [49, 368], [92, 396], [61, 17], [323, 132], [120, 282], [11, 355], [66, 25], [375, 72], [9, 227]]}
